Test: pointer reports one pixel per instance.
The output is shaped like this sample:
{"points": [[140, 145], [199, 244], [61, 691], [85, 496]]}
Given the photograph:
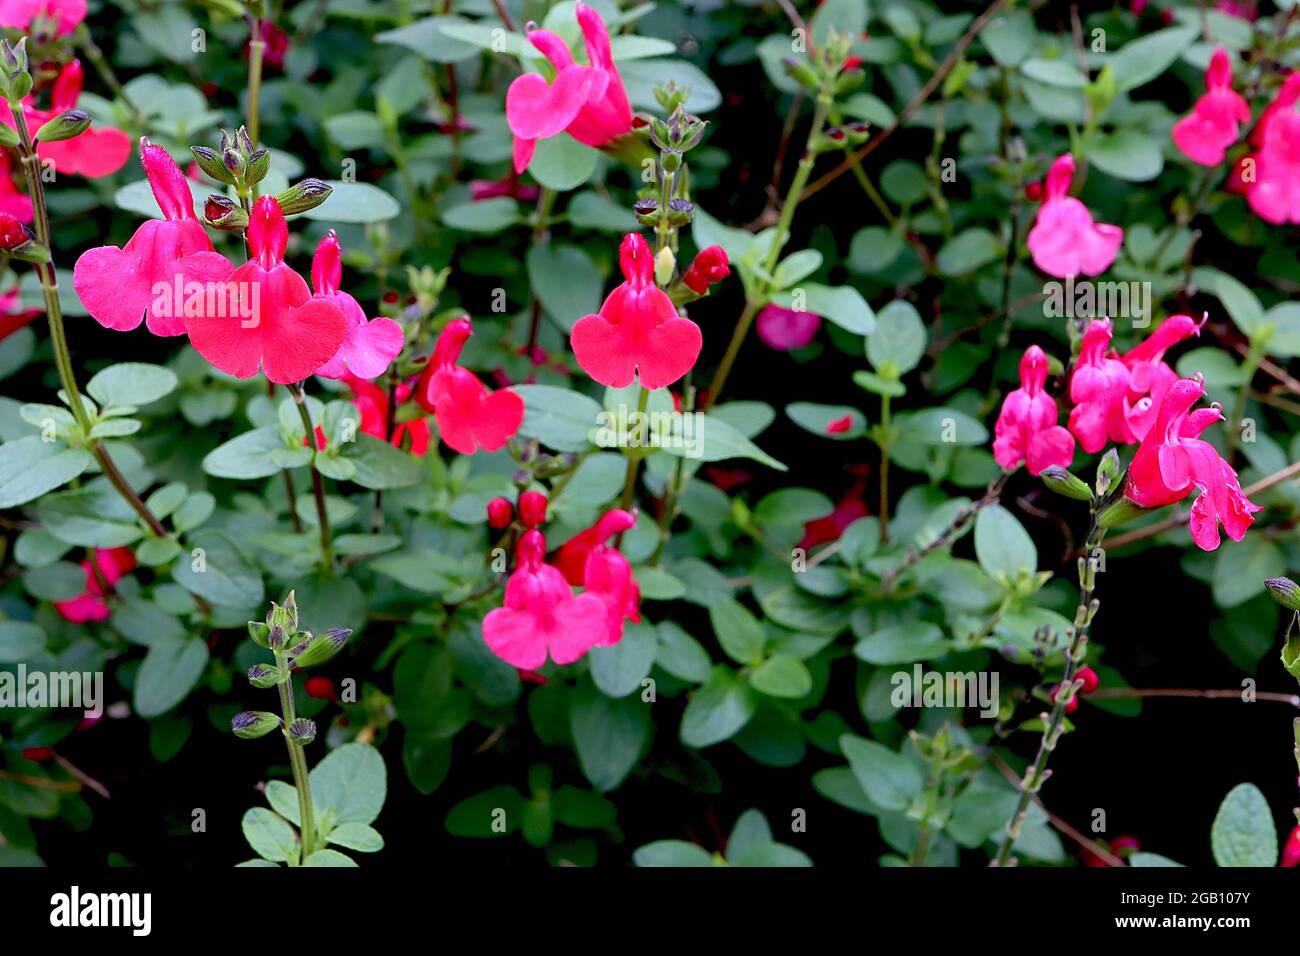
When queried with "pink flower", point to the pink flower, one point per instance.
{"points": [[480, 189], [371, 344], [839, 425], [1064, 240], [1205, 134], [1149, 376], [289, 334], [785, 329], [1098, 389], [572, 559], [13, 201], [92, 153], [708, 267], [12, 316], [1291, 850], [112, 563], [638, 331], [1274, 193], [847, 510], [1172, 460], [372, 402], [541, 614], [119, 287], [588, 102], [469, 416], [22, 14], [1027, 428], [1241, 9], [588, 560]]}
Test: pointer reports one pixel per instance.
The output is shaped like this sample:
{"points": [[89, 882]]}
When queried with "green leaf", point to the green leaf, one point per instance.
{"points": [[1143, 59], [641, 76], [20, 640], [93, 517], [484, 216], [30, 467], [842, 305], [619, 670], [359, 203], [432, 38], [476, 816], [1241, 303], [60, 581], [169, 671], [329, 858], [350, 784], [889, 779], [219, 572], [782, 675], [717, 711], [738, 631], [682, 655], [131, 383], [378, 465], [609, 736], [967, 251], [1002, 545], [898, 343], [357, 836], [565, 280], [672, 853], [1240, 569], [902, 644], [1130, 154], [559, 418], [771, 854], [815, 418], [709, 438], [250, 455], [269, 835], [1009, 38], [562, 163], [1243, 833]]}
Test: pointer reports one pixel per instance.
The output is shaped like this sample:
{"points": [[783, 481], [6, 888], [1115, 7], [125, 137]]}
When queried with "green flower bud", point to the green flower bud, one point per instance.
{"points": [[303, 730], [1285, 592], [665, 263], [1065, 482], [291, 613], [303, 196], [319, 649], [646, 210], [265, 675], [259, 164], [234, 163], [803, 72], [260, 633], [210, 162], [1108, 471], [1291, 653], [225, 214], [66, 125], [251, 724]]}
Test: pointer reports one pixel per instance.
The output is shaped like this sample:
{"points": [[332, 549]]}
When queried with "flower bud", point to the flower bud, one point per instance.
{"points": [[708, 267], [671, 158], [225, 214], [66, 125], [260, 633], [234, 163], [210, 162], [303, 730], [499, 512], [1065, 482], [532, 509], [291, 612], [1107, 471], [303, 196], [319, 649], [276, 638], [647, 211], [665, 263], [1291, 653], [680, 212], [1285, 592], [802, 72], [250, 724], [16, 240], [259, 164], [1089, 678], [265, 675]]}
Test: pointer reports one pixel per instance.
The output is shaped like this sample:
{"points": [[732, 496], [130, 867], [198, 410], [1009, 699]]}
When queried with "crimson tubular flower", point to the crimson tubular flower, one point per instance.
{"points": [[541, 613], [372, 402], [1027, 428], [1172, 460], [1205, 134], [120, 287], [1149, 376], [605, 572], [289, 334], [469, 415], [1274, 193], [572, 559], [1065, 240], [638, 330], [708, 267], [371, 344], [113, 564], [91, 153], [588, 102]]}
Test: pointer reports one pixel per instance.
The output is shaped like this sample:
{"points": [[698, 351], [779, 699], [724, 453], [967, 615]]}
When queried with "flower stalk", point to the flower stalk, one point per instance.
{"points": [[317, 483]]}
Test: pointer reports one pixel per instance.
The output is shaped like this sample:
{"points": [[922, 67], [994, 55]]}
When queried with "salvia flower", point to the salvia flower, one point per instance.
{"points": [[541, 614], [588, 102], [110, 565], [786, 329], [500, 512], [1291, 849], [12, 315], [278, 326], [1273, 191], [372, 402], [1244, 177], [469, 415], [1205, 134], [1098, 389], [13, 201], [638, 330], [66, 15], [588, 559], [572, 558], [93, 153], [371, 344], [1173, 460], [532, 509], [708, 267], [120, 287], [1065, 240], [1149, 375], [1027, 429]]}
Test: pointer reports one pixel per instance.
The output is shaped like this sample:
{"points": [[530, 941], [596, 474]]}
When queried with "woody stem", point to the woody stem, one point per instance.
{"points": [[760, 295], [58, 336], [317, 483], [1078, 649]]}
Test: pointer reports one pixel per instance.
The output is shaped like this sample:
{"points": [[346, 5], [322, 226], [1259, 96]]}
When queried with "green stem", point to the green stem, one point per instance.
{"points": [[58, 336], [634, 456], [317, 483], [1077, 652], [298, 761], [256, 47], [885, 447], [759, 297]]}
